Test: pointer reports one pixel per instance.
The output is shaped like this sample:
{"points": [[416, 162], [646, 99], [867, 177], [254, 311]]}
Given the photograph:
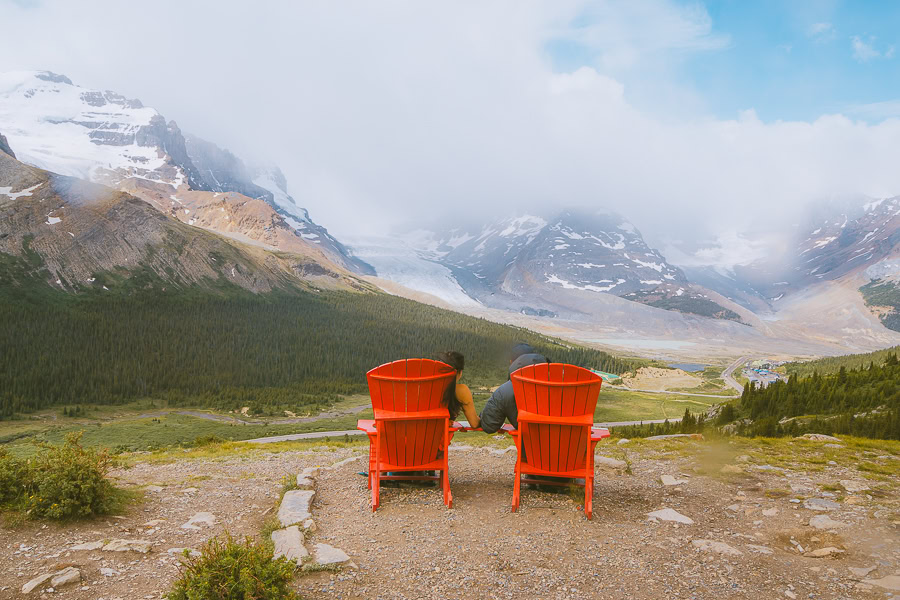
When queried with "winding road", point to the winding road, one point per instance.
{"points": [[726, 374]]}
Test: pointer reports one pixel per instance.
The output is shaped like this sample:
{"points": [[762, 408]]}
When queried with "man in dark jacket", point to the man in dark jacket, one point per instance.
{"points": [[502, 404]]}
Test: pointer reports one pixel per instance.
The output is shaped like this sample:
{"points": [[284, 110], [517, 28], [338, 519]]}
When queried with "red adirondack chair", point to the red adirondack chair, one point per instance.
{"points": [[411, 430], [556, 404]]}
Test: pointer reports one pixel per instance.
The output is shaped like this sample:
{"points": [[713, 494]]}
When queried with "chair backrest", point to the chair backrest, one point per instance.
{"points": [[562, 391], [411, 385]]}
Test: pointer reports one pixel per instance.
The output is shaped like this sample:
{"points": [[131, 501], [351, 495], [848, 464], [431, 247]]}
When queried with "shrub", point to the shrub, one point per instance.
{"points": [[208, 440], [231, 570], [12, 477], [69, 481]]}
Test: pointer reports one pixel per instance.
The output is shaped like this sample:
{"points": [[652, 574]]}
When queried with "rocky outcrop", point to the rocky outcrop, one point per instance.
{"points": [[4, 146]]}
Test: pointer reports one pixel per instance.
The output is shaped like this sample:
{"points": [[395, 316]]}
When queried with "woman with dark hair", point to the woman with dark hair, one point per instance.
{"points": [[457, 396]]}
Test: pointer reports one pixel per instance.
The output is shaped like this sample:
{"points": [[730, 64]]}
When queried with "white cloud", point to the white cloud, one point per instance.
{"points": [[821, 32], [865, 50], [407, 111]]}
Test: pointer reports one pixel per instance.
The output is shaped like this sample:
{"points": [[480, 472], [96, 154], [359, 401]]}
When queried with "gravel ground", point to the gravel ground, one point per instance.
{"points": [[414, 547]]}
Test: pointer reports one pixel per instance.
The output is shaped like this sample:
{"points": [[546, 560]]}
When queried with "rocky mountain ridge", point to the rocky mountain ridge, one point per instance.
{"points": [[107, 138]]}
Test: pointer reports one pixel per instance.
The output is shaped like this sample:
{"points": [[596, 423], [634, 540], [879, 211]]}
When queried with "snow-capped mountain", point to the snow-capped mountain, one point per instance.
{"points": [[511, 262], [104, 137]]}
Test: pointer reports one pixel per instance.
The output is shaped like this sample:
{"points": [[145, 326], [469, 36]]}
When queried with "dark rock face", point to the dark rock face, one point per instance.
{"points": [[4, 146], [221, 171], [170, 139], [54, 77]]}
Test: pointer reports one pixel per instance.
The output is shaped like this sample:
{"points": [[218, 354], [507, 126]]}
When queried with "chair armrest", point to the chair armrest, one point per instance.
{"points": [[367, 425], [598, 433]]}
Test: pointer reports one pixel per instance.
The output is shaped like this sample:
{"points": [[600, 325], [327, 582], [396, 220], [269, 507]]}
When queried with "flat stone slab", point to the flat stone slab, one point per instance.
{"points": [[823, 552], [295, 507], [854, 486], [306, 478], [606, 461], [820, 504], [715, 547], [324, 554], [142, 546], [201, 518], [891, 582], [668, 514], [760, 549], [770, 512], [861, 571], [87, 546], [825, 523], [67, 576], [289, 544], [668, 480]]}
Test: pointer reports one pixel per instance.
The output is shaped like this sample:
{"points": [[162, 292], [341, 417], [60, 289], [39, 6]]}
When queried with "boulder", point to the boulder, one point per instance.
{"points": [[295, 507], [142, 546], [715, 547], [289, 544], [668, 514], [329, 555]]}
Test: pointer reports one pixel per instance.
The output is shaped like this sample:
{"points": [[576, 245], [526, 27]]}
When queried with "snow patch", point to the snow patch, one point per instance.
{"points": [[53, 220], [7, 191]]}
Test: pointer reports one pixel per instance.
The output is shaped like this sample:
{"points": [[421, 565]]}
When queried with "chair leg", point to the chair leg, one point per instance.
{"points": [[589, 497], [376, 477], [448, 496], [371, 461], [517, 486]]}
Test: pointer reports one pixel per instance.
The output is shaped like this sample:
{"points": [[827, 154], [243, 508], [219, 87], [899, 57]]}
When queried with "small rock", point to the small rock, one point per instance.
{"points": [[734, 469], [668, 480], [825, 522], [329, 555], [820, 504], [837, 446], [733, 508], [891, 582], [853, 486], [823, 552], [760, 549], [790, 594], [36, 582], [108, 572], [201, 518], [87, 546], [668, 514], [295, 507], [190, 490], [180, 552], [309, 525], [862, 571], [613, 463], [289, 543], [153, 488], [154, 523], [819, 437], [770, 512], [622, 442], [854, 500], [142, 546], [716, 547]]}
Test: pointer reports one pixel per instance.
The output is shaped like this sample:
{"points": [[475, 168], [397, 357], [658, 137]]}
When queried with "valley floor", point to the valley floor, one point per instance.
{"points": [[749, 499]]}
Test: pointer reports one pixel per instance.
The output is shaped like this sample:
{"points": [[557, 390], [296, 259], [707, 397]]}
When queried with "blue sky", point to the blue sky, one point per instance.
{"points": [[787, 60]]}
